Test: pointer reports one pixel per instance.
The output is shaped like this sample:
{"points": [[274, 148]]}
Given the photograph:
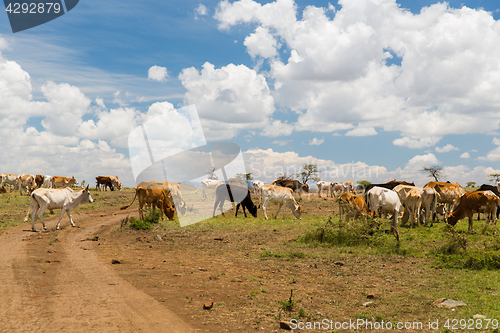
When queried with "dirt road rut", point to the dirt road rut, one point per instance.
{"points": [[53, 282]]}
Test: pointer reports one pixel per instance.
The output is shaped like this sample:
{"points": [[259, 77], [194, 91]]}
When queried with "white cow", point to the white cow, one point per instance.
{"points": [[257, 185], [210, 184], [26, 183], [47, 181], [324, 186], [382, 200], [282, 196], [8, 179], [66, 198], [342, 187]]}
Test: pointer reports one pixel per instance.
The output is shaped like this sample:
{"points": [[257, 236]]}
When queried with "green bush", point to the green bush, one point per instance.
{"points": [[139, 225], [338, 233]]}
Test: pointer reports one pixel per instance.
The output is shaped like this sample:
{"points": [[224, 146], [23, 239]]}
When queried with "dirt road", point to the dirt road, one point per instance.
{"points": [[53, 282]]}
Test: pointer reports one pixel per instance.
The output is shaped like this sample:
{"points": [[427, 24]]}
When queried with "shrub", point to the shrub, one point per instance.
{"points": [[139, 225], [346, 234]]}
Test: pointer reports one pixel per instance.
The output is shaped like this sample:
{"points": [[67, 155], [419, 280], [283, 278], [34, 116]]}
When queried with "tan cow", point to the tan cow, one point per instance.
{"points": [[115, 182], [352, 205], [470, 203], [154, 194], [282, 196], [62, 182], [26, 183], [448, 193]]}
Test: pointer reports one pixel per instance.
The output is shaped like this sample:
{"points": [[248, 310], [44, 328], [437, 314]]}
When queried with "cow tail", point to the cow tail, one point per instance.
{"points": [[29, 207], [130, 204]]}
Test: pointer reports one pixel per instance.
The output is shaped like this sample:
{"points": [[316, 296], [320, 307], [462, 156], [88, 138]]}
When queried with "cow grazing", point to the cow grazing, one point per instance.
{"points": [[209, 184], [174, 194], [412, 203], [324, 186], [104, 181], [66, 199], [283, 197], [383, 200], [352, 205], [115, 181], [153, 194], [234, 193], [8, 179], [62, 182], [26, 183], [448, 194], [295, 185], [470, 203]]}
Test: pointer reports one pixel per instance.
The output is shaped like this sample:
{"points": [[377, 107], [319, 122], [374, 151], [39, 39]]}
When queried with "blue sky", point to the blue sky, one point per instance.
{"points": [[357, 85]]}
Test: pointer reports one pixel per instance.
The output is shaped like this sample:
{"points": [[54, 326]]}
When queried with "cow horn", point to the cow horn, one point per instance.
{"points": [[87, 188]]}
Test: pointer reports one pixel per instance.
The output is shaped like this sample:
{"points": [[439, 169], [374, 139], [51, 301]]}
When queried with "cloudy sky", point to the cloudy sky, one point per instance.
{"points": [[367, 89]]}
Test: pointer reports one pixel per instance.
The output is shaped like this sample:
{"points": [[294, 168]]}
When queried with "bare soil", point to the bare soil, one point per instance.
{"points": [[105, 277]]}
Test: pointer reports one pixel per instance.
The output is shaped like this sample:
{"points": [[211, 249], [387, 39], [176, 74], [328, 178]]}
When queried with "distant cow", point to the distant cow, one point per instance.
{"points": [[342, 187], [115, 182], [234, 193], [152, 194], [293, 184], [470, 203], [352, 205], [283, 197], [26, 183], [257, 185], [324, 186], [47, 198], [8, 179], [104, 181], [383, 200], [43, 181], [62, 182], [209, 184]]}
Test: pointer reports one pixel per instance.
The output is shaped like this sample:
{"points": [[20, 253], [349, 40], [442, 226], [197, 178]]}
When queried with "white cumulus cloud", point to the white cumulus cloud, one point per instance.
{"points": [[158, 73]]}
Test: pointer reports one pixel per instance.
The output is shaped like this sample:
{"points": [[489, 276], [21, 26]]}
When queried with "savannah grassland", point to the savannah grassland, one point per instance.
{"points": [[249, 267]]}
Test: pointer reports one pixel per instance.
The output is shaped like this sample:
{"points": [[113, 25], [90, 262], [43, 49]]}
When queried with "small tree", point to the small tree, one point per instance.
{"points": [[309, 172], [245, 177], [494, 177], [362, 184], [434, 171], [470, 184]]}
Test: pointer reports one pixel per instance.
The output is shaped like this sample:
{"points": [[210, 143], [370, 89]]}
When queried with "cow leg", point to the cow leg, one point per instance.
{"points": [[470, 223], [36, 207], [279, 207], [264, 207], [60, 218], [70, 218], [394, 225]]}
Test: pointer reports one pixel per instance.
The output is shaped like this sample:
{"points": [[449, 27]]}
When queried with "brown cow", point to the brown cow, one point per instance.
{"points": [[400, 182], [105, 181], [153, 194], [39, 180], [352, 205], [62, 182], [470, 203]]}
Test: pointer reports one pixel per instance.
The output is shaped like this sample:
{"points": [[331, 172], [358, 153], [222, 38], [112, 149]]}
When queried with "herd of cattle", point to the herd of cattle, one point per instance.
{"points": [[396, 198]]}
